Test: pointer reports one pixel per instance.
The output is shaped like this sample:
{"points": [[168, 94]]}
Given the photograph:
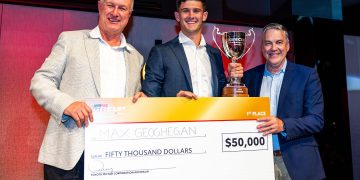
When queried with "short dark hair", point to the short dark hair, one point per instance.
{"points": [[178, 2], [276, 26]]}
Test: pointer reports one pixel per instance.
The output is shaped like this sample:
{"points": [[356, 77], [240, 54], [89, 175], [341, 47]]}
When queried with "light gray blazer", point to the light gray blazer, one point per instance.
{"points": [[72, 73]]}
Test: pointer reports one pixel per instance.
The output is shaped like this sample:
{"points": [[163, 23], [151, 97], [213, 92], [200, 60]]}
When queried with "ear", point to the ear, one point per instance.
{"points": [[99, 5], [288, 46], [177, 16], [205, 15]]}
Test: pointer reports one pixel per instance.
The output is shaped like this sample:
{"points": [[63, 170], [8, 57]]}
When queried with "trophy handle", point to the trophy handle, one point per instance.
{"points": [[252, 43], [214, 39]]}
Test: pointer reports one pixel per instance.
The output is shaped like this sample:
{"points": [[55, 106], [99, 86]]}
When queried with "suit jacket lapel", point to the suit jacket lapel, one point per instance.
{"points": [[213, 71], [93, 53], [290, 73], [258, 76], [130, 70], [179, 52]]}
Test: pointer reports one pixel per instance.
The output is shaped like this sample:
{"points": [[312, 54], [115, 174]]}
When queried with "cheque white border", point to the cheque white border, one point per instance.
{"points": [[210, 150]]}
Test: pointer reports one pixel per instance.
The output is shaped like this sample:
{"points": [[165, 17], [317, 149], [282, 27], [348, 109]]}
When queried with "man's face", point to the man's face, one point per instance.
{"points": [[275, 47], [191, 16], [114, 15]]}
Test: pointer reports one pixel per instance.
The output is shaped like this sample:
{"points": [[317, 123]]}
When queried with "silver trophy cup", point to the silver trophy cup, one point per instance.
{"points": [[234, 47]]}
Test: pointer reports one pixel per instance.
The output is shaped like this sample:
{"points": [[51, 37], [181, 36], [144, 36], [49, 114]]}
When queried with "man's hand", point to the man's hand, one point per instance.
{"points": [[137, 96], [187, 94], [80, 112], [270, 125], [235, 70]]}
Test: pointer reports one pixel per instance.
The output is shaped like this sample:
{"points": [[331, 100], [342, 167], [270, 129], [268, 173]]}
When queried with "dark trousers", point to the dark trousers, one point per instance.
{"points": [[54, 173]]}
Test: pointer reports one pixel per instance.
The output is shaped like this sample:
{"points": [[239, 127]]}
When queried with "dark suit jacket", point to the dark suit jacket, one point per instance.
{"points": [[167, 70], [301, 108]]}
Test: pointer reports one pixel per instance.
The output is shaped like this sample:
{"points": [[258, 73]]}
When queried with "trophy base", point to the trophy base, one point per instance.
{"points": [[235, 91]]}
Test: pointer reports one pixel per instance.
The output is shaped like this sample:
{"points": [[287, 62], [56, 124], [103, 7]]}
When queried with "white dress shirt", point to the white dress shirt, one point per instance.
{"points": [[199, 64], [112, 67]]}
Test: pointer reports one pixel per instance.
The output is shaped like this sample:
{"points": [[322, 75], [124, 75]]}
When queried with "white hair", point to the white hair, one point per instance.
{"points": [[132, 4]]}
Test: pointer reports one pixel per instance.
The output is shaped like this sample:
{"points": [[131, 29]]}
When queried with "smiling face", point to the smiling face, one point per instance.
{"points": [[275, 46], [114, 16], [191, 16]]}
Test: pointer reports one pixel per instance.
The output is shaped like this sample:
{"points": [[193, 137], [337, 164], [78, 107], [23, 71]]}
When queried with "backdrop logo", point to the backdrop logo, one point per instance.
{"points": [[107, 108]]}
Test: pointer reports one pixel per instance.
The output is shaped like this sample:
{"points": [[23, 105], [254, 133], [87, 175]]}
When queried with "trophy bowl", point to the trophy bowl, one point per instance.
{"points": [[234, 47]]}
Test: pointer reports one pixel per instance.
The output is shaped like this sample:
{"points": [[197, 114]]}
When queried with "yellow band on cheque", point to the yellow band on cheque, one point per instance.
{"points": [[122, 110]]}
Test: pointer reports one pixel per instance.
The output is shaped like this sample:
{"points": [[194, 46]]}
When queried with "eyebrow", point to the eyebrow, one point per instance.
{"points": [[191, 9]]}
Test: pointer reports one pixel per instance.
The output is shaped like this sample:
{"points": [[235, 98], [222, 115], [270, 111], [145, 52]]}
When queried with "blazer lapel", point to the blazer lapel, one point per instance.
{"points": [[213, 71], [93, 53], [286, 84], [179, 52], [259, 77], [130, 70], [254, 90]]}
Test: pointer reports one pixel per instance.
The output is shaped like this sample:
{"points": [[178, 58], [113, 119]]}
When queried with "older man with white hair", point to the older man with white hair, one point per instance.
{"points": [[96, 63]]}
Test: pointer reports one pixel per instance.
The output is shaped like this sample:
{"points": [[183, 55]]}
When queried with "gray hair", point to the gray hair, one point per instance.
{"points": [[132, 4], [276, 26]]}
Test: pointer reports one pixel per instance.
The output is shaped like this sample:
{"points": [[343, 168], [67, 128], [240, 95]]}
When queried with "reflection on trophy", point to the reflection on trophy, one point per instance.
{"points": [[234, 47]]}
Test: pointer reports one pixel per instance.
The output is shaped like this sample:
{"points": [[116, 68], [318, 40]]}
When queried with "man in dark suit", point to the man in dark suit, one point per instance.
{"points": [[186, 66], [296, 105]]}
